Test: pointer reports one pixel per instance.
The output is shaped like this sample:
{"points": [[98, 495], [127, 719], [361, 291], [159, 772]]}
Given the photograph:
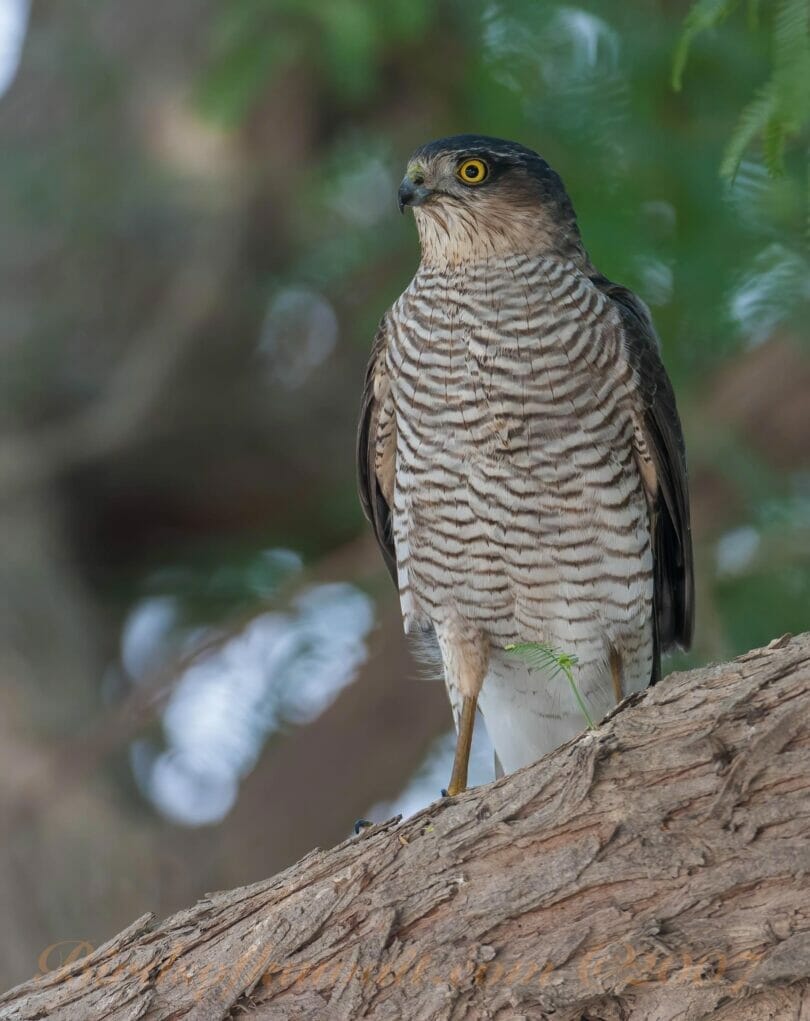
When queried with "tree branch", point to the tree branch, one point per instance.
{"points": [[653, 868]]}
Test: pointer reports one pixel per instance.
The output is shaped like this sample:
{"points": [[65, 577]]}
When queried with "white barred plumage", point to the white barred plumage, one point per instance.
{"points": [[512, 459]]}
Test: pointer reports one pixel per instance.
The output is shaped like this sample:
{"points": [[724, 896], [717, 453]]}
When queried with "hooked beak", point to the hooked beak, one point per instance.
{"points": [[411, 194]]}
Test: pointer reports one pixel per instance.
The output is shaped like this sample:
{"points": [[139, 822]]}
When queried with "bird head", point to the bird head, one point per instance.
{"points": [[474, 197]]}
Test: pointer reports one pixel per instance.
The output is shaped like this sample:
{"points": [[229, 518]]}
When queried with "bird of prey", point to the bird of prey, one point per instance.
{"points": [[520, 455]]}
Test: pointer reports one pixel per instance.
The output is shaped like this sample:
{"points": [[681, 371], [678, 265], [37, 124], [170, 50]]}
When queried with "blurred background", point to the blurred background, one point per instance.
{"points": [[202, 671]]}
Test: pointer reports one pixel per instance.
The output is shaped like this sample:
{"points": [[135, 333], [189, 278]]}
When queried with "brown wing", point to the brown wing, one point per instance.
{"points": [[668, 487], [376, 448]]}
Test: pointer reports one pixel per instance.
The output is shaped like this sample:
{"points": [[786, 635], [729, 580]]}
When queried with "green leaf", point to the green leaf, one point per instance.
{"points": [[541, 656], [774, 138], [704, 14], [781, 109], [752, 122], [790, 36]]}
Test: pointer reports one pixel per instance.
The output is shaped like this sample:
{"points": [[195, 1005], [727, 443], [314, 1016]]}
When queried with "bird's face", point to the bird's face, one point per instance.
{"points": [[474, 197]]}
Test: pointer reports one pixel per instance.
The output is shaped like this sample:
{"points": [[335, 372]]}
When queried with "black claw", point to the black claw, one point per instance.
{"points": [[362, 824], [444, 793]]}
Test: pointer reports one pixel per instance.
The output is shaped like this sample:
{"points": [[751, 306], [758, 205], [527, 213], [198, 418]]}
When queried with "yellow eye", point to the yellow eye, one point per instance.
{"points": [[472, 171]]}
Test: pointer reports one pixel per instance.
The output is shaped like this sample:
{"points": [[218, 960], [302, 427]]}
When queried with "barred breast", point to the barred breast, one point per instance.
{"points": [[518, 504]]}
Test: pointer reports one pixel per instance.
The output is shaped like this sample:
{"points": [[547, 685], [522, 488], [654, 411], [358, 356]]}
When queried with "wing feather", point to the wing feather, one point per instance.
{"points": [[667, 487], [376, 448]]}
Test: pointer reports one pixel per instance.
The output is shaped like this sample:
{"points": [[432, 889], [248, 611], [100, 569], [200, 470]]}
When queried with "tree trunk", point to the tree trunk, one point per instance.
{"points": [[655, 868]]}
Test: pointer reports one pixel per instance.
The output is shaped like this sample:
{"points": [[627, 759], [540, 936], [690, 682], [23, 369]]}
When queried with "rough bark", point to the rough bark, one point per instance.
{"points": [[655, 868]]}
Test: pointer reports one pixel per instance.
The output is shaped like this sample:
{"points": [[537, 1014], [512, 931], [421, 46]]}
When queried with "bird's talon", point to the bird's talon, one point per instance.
{"points": [[362, 824]]}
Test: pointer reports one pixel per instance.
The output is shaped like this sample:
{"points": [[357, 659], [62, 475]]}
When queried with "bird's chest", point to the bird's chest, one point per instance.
{"points": [[514, 454], [497, 374]]}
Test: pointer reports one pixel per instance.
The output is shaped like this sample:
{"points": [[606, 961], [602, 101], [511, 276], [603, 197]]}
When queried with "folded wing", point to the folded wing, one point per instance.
{"points": [[376, 448], [667, 488]]}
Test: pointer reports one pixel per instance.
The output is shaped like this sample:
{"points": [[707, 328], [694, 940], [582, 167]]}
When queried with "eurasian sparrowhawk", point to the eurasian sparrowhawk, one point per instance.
{"points": [[520, 454]]}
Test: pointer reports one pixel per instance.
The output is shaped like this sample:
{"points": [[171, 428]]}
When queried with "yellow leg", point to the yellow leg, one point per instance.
{"points": [[458, 779], [616, 672]]}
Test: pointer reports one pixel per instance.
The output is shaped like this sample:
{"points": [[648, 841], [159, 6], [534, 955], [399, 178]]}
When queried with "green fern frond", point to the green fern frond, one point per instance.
{"points": [[703, 15], [541, 656], [753, 120], [791, 63], [790, 35], [774, 139], [780, 111]]}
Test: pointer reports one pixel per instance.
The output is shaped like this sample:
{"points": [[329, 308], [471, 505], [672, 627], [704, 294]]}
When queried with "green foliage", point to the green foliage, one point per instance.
{"points": [[255, 41], [704, 14], [245, 57], [780, 111], [764, 604], [723, 263], [541, 656]]}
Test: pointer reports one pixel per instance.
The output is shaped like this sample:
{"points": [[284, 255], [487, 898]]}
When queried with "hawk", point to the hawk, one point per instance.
{"points": [[520, 455]]}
